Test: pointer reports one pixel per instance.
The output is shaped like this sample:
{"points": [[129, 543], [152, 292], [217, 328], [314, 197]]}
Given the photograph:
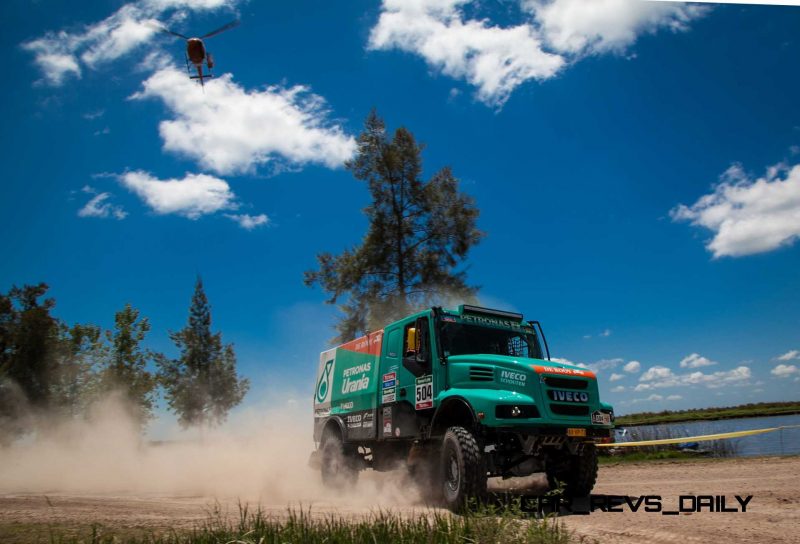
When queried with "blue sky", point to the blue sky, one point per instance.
{"points": [[635, 164]]}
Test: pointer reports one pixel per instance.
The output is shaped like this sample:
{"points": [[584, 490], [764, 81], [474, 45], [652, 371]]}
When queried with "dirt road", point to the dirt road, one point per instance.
{"points": [[773, 514]]}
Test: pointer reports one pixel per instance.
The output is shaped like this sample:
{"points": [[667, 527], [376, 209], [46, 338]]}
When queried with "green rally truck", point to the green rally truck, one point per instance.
{"points": [[457, 396]]}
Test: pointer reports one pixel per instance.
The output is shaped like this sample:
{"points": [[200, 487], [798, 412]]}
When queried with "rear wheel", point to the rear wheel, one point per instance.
{"points": [[462, 471], [577, 473], [339, 466]]}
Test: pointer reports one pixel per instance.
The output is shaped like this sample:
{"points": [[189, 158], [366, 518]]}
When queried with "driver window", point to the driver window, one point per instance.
{"points": [[416, 351]]}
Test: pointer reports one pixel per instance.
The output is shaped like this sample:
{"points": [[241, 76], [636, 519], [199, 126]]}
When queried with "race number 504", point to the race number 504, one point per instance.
{"points": [[424, 389]]}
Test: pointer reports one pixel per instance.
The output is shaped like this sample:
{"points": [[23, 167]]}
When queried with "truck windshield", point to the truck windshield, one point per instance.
{"points": [[465, 339]]}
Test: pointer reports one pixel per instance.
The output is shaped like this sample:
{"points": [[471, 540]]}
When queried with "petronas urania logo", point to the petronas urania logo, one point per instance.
{"points": [[324, 382]]}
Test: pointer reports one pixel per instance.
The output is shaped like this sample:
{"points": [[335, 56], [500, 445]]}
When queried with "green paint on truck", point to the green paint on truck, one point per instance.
{"points": [[457, 396]]}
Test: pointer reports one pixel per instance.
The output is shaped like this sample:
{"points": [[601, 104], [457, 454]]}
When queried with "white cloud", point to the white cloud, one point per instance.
{"points": [[95, 114], [597, 367], [249, 222], [193, 196], [497, 59], [695, 360], [783, 371], [615, 377], [98, 206], [492, 58], [60, 54], [606, 364], [654, 397], [657, 377], [746, 215], [632, 367], [654, 373], [229, 129], [600, 26], [790, 355], [568, 362], [674, 397], [618, 389]]}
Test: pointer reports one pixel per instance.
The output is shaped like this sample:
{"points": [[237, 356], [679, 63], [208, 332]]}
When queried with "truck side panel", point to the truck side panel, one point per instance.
{"points": [[346, 387]]}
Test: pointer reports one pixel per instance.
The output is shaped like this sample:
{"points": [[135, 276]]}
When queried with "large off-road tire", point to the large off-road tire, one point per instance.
{"points": [[462, 473], [338, 463], [577, 473]]}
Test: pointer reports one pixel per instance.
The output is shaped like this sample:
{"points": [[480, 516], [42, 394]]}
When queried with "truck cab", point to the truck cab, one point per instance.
{"points": [[458, 396]]}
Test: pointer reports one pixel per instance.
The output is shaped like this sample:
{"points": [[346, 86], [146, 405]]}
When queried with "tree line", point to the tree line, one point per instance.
{"points": [[413, 255], [51, 368]]}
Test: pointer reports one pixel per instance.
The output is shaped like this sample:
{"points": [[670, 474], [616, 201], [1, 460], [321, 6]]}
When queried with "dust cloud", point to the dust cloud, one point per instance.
{"points": [[259, 456]]}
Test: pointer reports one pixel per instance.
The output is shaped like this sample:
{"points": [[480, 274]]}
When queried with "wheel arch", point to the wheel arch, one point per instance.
{"points": [[452, 411], [334, 424]]}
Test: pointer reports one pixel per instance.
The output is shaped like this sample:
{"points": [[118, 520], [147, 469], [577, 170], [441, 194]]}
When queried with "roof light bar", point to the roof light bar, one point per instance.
{"points": [[487, 311]]}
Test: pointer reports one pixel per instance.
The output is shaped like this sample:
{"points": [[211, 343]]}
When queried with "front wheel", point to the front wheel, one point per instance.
{"points": [[577, 473], [462, 469], [338, 464]]}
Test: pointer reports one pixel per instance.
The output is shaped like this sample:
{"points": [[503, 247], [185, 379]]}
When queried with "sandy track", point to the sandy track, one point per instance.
{"points": [[772, 516]]}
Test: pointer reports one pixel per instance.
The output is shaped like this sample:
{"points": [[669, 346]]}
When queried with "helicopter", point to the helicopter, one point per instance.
{"points": [[196, 52]]}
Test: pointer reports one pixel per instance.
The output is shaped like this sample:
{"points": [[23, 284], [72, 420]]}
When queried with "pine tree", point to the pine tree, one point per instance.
{"points": [[419, 232], [125, 368], [202, 384]]}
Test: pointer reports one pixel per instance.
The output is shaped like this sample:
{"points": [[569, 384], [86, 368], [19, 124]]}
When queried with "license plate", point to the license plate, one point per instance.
{"points": [[576, 432], [601, 418]]}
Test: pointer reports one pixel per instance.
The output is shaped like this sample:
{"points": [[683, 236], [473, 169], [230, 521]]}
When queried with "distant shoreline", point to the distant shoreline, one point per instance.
{"points": [[710, 414]]}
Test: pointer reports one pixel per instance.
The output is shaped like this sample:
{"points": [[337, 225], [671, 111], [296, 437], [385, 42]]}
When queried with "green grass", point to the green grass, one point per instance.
{"points": [[507, 526], [761, 409]]}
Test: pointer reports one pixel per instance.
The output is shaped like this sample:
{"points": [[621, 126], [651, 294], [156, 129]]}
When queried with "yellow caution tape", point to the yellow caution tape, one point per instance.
{"points": [[702, 438]]}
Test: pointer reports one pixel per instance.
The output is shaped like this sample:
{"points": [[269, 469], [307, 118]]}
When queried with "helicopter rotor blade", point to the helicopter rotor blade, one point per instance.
{"points": [[232, 24], [168, 31]]}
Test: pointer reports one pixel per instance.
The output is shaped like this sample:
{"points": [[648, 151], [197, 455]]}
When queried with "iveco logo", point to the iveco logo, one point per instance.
{"points": [[569, 396]]}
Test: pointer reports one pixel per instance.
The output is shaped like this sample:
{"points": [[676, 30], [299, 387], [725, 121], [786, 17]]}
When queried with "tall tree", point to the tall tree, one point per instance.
{"points": [[202, 384], [125, 368], [75, 379], [419, 233], [29, 342]]}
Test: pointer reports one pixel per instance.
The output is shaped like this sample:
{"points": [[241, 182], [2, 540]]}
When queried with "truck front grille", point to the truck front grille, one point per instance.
{"points": [[569, 410], [523, 411], [565, 383], [481, 373]]}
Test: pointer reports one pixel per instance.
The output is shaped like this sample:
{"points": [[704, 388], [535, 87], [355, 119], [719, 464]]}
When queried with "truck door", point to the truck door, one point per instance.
{"points": [[407, 382]]}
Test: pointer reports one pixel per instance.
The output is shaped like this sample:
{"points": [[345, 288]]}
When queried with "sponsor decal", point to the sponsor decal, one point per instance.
{"points": [[351, 383], [353, 421], [563, 371], [387, 421], [368, 420], [370, 344], [424, 392], [389, 380], [389, 395], [513, 378], [449, 319], [346, 405], [324, 384], [492, 321], [569, 396]]}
